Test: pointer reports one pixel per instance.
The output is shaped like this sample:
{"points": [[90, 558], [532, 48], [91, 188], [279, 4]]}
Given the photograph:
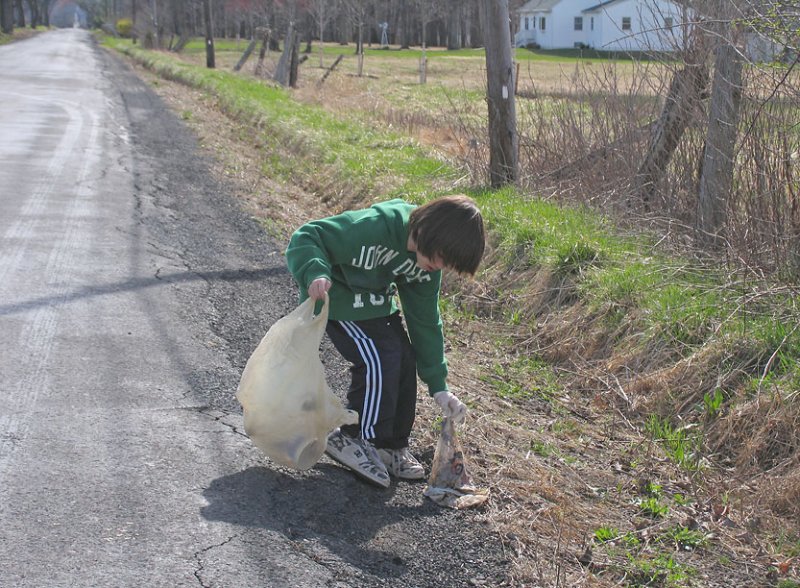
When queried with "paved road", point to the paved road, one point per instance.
{"points": [[132, 290]]}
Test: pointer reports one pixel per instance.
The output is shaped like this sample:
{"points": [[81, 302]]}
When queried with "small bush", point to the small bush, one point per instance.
{"points": [[652, 507], [125, 27], [606, 534], [574, 258]]}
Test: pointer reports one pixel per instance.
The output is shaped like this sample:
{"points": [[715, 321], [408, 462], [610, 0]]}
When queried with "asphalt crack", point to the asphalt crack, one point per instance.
{"points": [[218, 416], [198, 558]]}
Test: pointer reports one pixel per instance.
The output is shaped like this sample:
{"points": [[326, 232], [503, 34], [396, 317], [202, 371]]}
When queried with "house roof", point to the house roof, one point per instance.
{"points": [[599, 6], [538, 5]]}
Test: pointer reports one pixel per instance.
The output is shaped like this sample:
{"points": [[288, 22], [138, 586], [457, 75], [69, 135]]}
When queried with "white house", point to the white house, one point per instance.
{"points": [[606, 25]]}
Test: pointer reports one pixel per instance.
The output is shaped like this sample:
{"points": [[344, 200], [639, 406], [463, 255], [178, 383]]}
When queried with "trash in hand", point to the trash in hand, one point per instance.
{"points": [[450, 484], [288, 407]]}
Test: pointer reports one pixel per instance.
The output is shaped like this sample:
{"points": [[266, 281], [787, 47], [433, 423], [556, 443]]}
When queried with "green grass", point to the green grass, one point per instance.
{"points": [[381, 163], [605, 534], [682, 445], [653, 507], [661, 570], [586, 55], [675, 300], [535, 232], [522, 379], [20, 33], [415, 53], [684, 538]]}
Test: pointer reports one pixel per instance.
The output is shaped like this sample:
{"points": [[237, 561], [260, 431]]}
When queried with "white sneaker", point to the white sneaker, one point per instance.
{"points": [[359, 455], [402, 464]]}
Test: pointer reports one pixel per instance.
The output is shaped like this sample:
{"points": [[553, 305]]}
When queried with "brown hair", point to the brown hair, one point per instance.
{"points": [[452, 228]]}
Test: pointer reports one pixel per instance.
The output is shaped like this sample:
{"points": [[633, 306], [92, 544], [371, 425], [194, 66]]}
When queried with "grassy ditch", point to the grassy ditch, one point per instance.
{"points": [[631, 402], [21, 33], [306, 144]]}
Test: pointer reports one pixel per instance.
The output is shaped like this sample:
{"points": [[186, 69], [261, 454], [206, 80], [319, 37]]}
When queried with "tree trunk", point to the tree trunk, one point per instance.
{"points": [[716, 178], [284, 63], [209, 34], [309, 31], [176, 7], [20, 13], [265, 35], [404, 28], [184, 23], [156, 31], [7, 16], [684, 95], [321, 48], [245, 55], [468, 27], [360, 43], [34, 8], [134, 34], [454, 25], [503, 142], [294, 61], [329, 70], [423, 66]]}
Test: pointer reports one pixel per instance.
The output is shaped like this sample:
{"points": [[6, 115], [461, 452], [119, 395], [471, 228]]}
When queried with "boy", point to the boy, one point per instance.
{"points": [[360, 259]]}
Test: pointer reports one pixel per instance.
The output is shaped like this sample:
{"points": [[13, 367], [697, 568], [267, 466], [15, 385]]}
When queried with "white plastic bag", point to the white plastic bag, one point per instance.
{"points": [[288, 407]]}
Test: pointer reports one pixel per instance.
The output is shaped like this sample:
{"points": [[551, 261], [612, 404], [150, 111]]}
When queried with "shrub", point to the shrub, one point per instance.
{"points": [[125, 27]]}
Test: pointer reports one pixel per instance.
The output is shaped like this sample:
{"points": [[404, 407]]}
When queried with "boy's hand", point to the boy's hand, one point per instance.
{"points": [[451, 405], [318, 288]]}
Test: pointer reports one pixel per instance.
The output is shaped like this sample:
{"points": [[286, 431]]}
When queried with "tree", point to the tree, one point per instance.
{"points": [[723, 123], [20, 13], [356, 12], [321, 11], [503, 142], [454, 37], [209, 34], [286, 70], [403, 26], [7, 16], [683, 100]]}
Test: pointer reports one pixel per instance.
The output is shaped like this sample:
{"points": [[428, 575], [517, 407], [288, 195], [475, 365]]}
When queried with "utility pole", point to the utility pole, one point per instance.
{"points": [[503, 141]]}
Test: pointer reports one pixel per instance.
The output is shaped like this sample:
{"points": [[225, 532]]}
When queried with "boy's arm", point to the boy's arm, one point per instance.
{"points": [[308, 255], [421, 311]]}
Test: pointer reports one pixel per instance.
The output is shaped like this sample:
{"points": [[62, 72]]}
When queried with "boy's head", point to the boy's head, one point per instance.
{"points": [[450, 228]]}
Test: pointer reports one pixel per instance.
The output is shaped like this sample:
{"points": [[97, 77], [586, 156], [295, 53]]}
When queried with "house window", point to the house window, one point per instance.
{"points": [[578, 23], [668, 22], [542, 23], [626, 23], [527, 23], [591, 24]]}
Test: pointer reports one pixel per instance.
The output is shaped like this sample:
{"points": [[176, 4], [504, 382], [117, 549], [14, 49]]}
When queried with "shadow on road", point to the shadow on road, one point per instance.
{"points": [[351, 519], [241, 275]]}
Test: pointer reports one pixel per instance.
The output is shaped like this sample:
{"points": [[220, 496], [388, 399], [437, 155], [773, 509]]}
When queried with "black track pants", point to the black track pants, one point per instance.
{"points": [[383, 389]]}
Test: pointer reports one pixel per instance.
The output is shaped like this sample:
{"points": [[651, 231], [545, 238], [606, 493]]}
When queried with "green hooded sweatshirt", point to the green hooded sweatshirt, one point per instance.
{"points": [[364, 253]]}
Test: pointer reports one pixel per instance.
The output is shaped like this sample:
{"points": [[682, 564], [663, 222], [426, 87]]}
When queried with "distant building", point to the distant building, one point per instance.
{"points": [[610, 25]]}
